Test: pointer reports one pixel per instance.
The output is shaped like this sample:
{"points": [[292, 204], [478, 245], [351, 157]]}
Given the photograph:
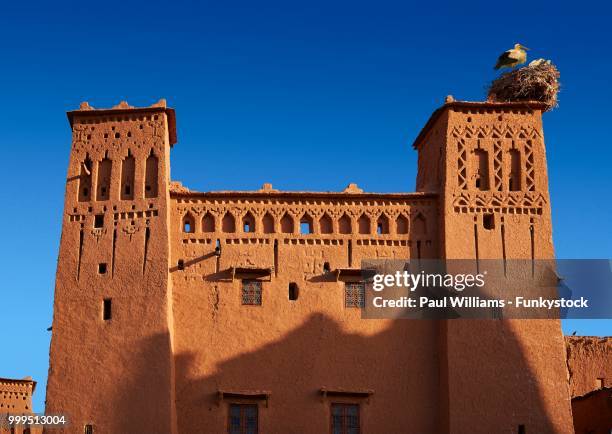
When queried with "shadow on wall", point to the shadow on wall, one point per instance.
{"points": [[142, 398], [404, 373]]}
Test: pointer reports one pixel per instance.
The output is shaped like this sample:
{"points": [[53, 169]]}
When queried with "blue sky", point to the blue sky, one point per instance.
{"points": [[306, 95]]}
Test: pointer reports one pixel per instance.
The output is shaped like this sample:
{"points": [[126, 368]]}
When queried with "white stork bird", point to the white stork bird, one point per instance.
{"points": [[511, 58]]}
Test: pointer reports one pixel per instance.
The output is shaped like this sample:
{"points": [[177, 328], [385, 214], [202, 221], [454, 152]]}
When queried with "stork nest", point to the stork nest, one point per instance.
{"points": [[537, 82]]}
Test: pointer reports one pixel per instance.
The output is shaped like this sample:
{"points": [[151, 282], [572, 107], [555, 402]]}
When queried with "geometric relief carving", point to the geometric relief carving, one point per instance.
{"points": [[497, 166], [529, 166], [513, 203], [461, 164], [98, 233], [524, 134], [277, 216]]}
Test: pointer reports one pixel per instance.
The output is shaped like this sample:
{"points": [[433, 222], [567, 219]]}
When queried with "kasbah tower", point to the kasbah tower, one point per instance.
{"points": [[179, 311]]}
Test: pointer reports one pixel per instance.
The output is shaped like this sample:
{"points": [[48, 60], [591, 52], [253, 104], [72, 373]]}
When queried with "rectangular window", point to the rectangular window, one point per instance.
{"points": [[345, 419], [243, 419], [106, 309], [354, 294], [99, 221], [251, 292], [88, 429]]}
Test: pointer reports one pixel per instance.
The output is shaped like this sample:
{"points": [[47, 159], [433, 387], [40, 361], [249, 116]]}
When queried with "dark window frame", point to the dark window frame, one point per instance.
{"points": [[242, 428], [344, 423], [352, 300], [251, 292]]}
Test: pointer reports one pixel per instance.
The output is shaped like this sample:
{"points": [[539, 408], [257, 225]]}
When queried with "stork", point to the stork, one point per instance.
{"points": [[513, 57]]}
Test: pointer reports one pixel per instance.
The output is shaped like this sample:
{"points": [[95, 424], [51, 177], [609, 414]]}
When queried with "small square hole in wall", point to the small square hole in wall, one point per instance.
{"points": [[102, 268], [181, 264], [488, 221], [99, 221]]}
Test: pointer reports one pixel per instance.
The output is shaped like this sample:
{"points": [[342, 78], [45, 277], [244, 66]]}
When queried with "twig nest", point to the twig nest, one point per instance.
{"points": [[539, 81]]}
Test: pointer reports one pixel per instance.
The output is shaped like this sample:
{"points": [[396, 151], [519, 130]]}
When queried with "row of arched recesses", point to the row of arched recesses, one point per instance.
{"points": [[305, 225], [128, 178]]}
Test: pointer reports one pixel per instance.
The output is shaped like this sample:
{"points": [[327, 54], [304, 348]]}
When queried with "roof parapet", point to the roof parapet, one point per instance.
{"points": [[86, 110], [451, 103]]}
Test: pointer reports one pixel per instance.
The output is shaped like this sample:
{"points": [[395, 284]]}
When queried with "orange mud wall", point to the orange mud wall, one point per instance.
{"points": [[180, 347]]}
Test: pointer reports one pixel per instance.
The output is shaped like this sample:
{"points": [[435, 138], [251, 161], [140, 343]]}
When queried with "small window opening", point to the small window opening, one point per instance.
{"points": [[218, 248], [521, 429], [251, 292], [88, 429], [99, 221], [379, 228], [326, 267], [102, 268], [107, 309], [482, 169], [181, 264], [488, 221], [294, 291], [354, 294], [514, 181], [248, 223], [345, 418], [243, 418], [599, 383], [305, 228]]}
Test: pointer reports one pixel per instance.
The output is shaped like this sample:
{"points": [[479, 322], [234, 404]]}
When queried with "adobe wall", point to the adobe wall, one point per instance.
{"points": [[495, 205], [180, 342], [114, 373], [16, 398], [296, 348], [589, 361], [593, 412]]}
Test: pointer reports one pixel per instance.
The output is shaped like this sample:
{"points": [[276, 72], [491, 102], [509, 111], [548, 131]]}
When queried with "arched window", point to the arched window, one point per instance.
{"points": [[104, 178], [306, 224], [188, 224], [287, 224], [208, 223], [481, 164], [248, 223], [363, 224], [128, 167], [401, 224], [344, 224], [228, 224], [151, 176], [419, 225], [382, 225], [514, 181], [85, 180], [326, 225], [268, 224]]}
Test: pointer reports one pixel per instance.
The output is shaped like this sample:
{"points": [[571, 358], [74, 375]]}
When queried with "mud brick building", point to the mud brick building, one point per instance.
{"points": [[179, 311], [16, 399]]}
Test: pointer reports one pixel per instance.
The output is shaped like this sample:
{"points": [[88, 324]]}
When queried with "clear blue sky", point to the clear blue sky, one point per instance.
{"points": [[306, 95]]}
